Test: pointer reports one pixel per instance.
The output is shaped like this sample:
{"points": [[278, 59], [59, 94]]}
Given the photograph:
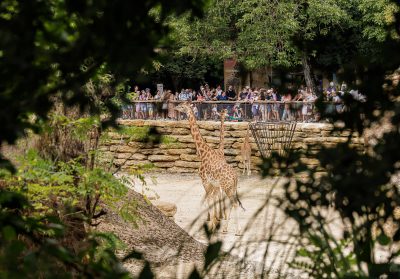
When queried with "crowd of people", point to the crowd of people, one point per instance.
{"points": [[248, 104]]}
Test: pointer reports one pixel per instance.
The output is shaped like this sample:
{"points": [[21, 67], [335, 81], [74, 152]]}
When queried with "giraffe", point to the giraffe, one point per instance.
{"points": [[245, 151], [216, 175]]}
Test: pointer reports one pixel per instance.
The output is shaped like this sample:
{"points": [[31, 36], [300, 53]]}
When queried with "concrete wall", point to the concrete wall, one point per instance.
{"points": [[179, 154]]}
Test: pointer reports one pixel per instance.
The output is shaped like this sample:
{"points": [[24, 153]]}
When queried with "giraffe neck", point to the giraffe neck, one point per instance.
{"points": [[201, 145], [222, 132], [246, 139]]}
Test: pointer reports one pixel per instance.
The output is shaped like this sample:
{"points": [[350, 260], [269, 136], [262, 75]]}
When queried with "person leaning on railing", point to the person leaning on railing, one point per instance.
{"points": [[297, 105], [164, 107], [150, 105], [275, 106], [286, 99], [171, 105], [157, 104], [231, 94], [222, 97], [253, 98], [263, 106]]}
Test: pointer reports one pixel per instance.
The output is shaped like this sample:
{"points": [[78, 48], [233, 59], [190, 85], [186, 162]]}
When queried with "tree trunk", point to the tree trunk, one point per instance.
{"points": [[307, 72]]}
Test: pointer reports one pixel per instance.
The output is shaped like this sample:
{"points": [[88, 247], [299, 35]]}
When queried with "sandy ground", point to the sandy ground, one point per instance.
{"points": [[261, 222]]}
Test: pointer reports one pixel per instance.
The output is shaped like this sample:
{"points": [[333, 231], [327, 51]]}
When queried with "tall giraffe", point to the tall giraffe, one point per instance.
{"points": [[245, 152], [216, 175]]}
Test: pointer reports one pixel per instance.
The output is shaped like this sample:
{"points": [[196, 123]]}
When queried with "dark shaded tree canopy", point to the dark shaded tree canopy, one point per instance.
{"points": [[55, 46]]}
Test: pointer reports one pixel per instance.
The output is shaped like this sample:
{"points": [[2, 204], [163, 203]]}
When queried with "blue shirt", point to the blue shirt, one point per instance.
{"points": [[222, 98]]}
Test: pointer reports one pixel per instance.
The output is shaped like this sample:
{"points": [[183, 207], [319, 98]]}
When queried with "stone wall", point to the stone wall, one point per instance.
{"points": [[178, 153]]}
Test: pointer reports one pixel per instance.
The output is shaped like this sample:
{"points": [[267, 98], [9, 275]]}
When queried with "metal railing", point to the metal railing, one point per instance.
{"points": [[300, 111]]}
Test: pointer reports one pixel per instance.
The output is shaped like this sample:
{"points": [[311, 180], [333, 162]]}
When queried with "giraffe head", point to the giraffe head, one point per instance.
{"points": [[185, 107], [224, 113]]}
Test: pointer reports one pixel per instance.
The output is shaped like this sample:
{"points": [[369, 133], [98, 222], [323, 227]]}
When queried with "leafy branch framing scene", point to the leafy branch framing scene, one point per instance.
{"points": [[100, 179]]}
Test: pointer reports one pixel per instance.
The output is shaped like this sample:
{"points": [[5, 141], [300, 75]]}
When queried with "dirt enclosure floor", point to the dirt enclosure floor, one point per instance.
{"points": [[266, 239]]}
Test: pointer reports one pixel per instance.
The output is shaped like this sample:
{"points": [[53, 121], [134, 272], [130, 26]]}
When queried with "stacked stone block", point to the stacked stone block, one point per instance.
{"points": [[179, 156]]}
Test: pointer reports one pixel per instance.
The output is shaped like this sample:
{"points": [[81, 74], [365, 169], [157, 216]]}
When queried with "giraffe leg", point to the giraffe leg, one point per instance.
{"points": [[226, 222], [226, 188], [223, 208], [230, 189], [210, 214], [210, 203], [238, 229], [214, 208], [222, 212]]}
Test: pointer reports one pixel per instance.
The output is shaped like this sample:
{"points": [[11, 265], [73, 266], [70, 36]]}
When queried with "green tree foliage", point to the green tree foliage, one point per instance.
{"points": [[310, 33], [182, 70], [360, 185], [59, 54], [265, 31], [44, 209], [53, 46], [177, 68]]}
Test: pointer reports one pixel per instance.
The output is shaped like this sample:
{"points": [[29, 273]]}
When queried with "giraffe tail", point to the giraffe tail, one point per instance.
{"points": [[240, 203]]}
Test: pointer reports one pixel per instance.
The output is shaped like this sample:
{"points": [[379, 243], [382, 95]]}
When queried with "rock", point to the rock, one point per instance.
{"points": [[180, 151], [231, 159], [217, 140], [192, 146], [116, 136], [190, 158], [167, 208], [138, 156], [255, 160], [335, 139], [106, 155], [119, 162], [133, 122], [237, 145], [175, 145], [137, 162], [152, 196], [238, 125], [239, 134], [162, 158], [135, 144], [299, 145], [209, 125], [183, 139], [123, 155], [104, 148], [231, 151], [181, 131], [123, 149], [310, 161], [163, 164], [314, 140]]}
